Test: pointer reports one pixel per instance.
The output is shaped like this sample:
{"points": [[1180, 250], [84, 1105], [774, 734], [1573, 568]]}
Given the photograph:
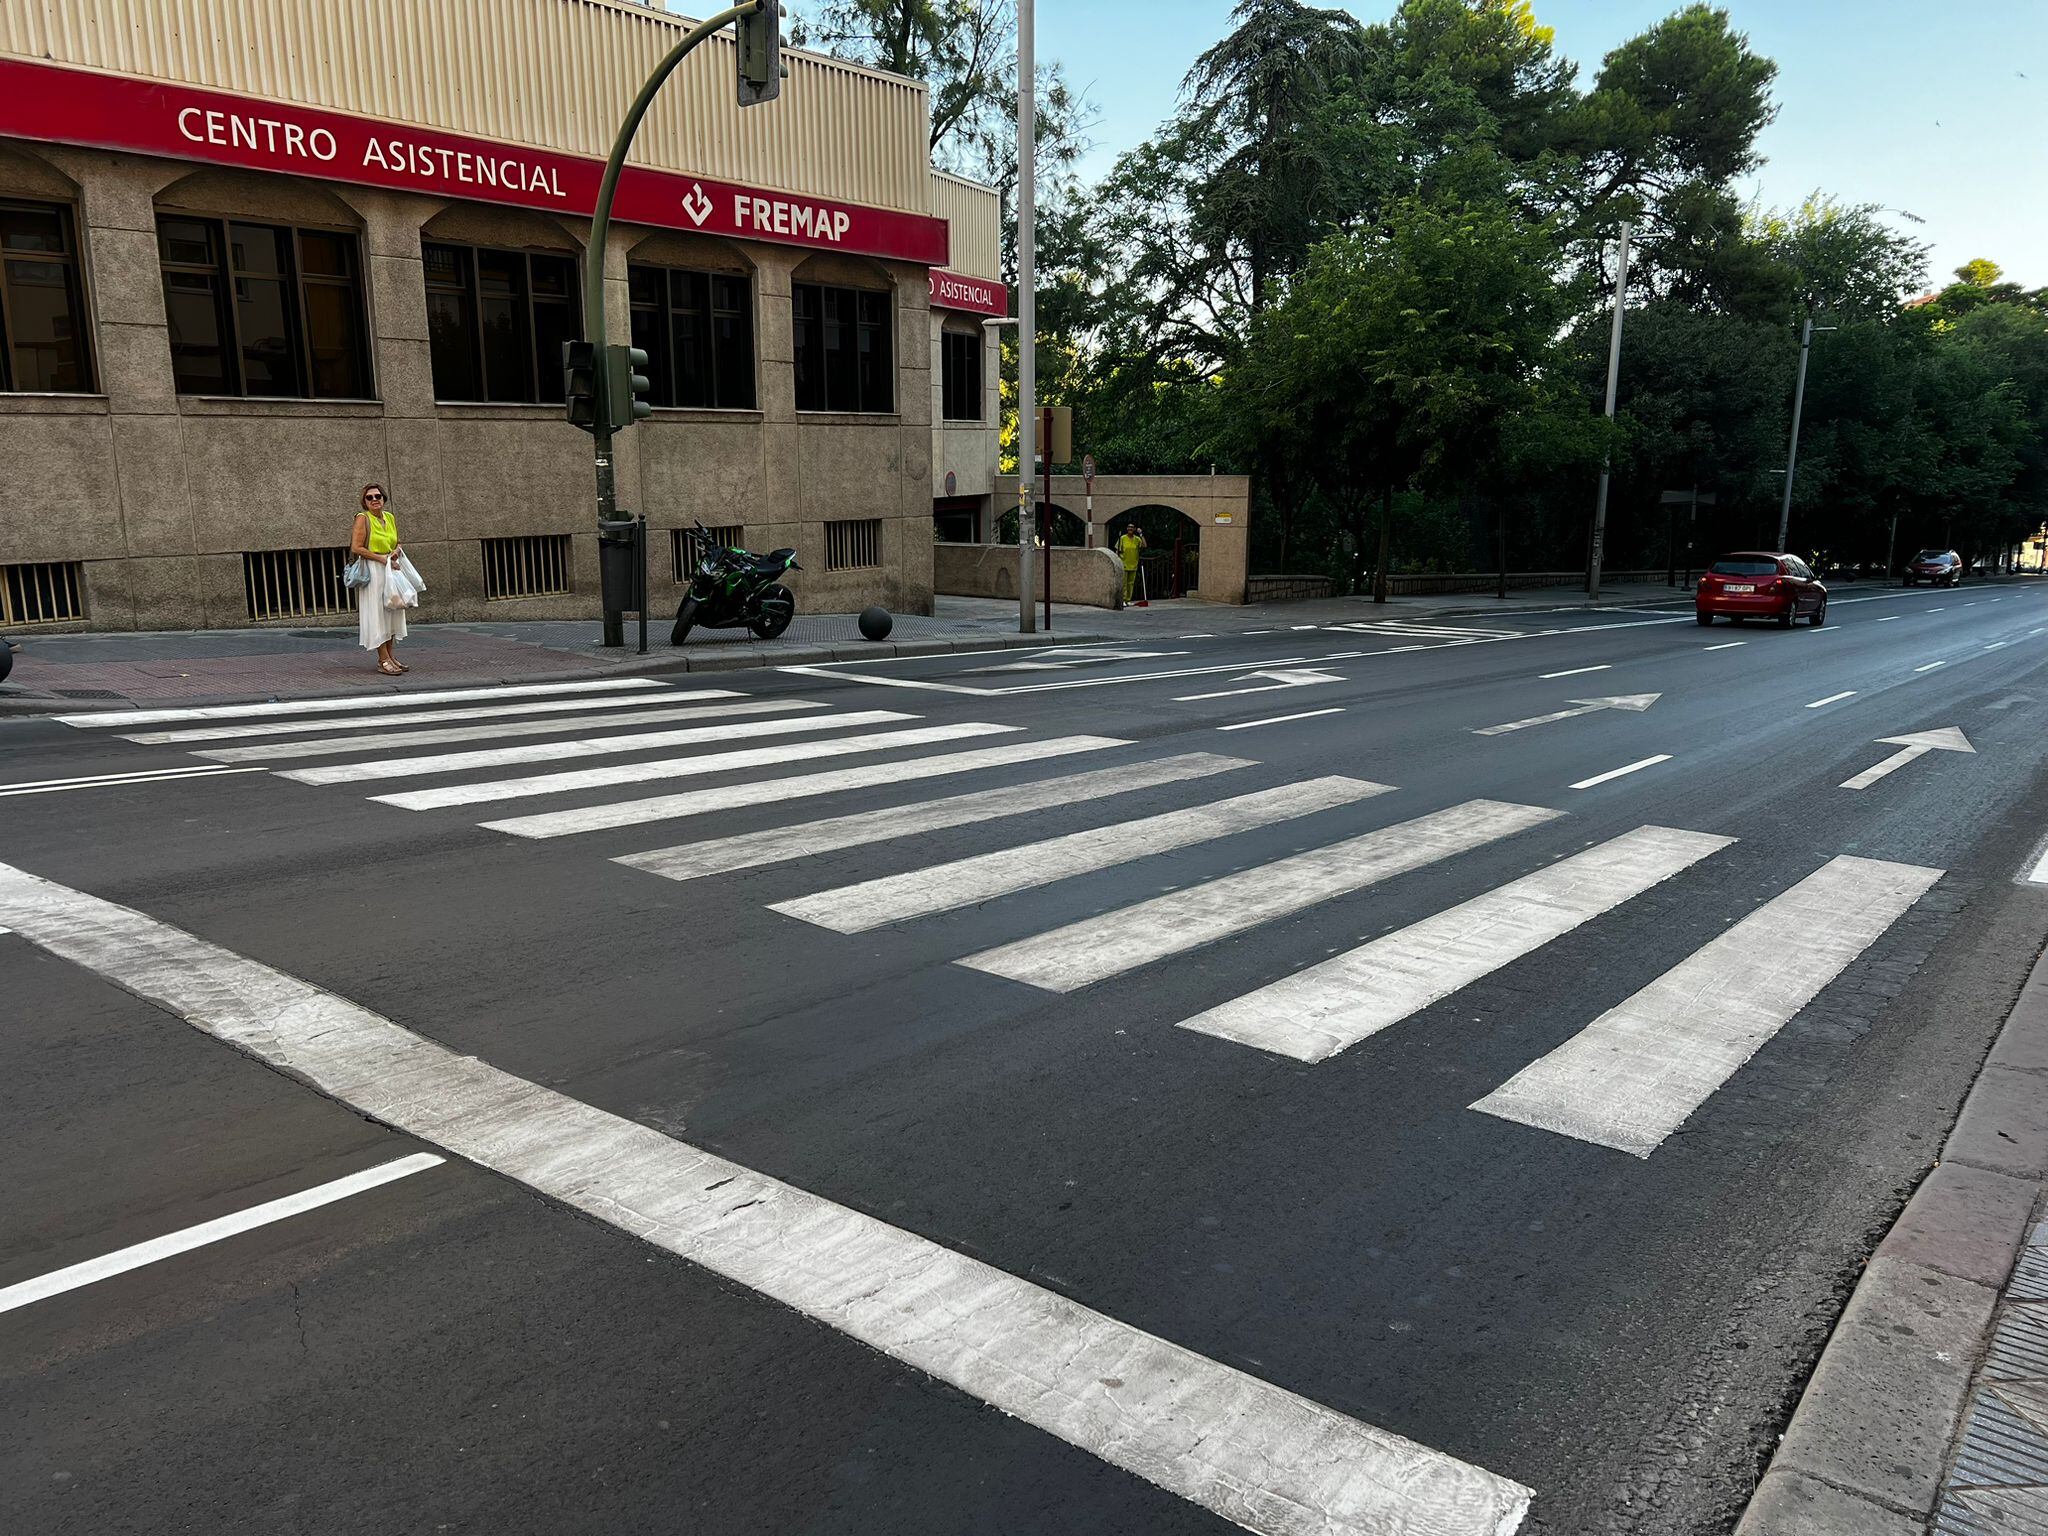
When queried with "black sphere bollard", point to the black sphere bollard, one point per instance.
{"points": [[875, 623]]}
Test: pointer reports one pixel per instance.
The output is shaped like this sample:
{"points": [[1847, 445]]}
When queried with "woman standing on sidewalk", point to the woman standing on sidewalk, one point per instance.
{"points": [[375, 542]]}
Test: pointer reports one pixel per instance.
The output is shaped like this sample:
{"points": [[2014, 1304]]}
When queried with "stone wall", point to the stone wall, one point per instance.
{"points": [[1090, 576]]}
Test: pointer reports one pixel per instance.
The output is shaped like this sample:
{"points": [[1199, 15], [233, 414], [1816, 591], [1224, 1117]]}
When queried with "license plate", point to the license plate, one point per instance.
{"points": [[1740, 587]]}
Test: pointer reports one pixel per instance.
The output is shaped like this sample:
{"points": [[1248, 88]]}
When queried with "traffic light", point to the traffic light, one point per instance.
{"points": [[760, 53], [626, 386], [581, 384]]}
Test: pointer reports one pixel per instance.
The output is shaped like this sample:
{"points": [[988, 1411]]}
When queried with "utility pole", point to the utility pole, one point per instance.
{"points": [[1027, 305], [1792, 453], [1613, 386]]}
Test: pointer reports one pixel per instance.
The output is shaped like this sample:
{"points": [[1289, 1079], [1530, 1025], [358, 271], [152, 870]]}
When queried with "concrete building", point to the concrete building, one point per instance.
{"points": [[255, 253]]}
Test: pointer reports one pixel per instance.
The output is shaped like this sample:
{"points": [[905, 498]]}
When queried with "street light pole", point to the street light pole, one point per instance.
{"points": [[1027, 305], [1613, 386], [1792, 453]]}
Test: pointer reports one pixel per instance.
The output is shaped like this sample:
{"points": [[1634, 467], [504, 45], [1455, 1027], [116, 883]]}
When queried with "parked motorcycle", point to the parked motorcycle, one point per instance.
{"points": [[732, 589]]}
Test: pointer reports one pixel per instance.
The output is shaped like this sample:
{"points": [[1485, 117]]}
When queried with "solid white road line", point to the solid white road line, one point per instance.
{"points": [[1931, 666], [1250, 1452], [72, 1276], [496, 730], [121, 719], [728, 797], [1615, 773], [1332, 1006], [964, 882], [1725, 645], [424, 717], [1109, 945], [589, 746], [1833, 698], [776, 845], [1635, 1074], [121, 780], [1577, 671], [614, 774], [1311, 714]]}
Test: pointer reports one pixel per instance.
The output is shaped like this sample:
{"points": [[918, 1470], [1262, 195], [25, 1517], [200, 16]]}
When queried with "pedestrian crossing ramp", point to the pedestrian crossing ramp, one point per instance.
{"points": [[1628, 1079]]}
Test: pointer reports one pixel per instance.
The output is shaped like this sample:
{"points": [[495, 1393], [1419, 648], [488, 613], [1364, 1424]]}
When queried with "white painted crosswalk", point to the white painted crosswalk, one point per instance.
{"points": [[1098, 806]]}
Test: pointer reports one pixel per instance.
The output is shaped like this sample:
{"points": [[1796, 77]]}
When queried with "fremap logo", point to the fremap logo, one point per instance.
{"points": [[697, 205]]}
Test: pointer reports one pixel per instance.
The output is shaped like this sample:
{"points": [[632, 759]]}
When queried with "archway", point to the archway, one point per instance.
{"points": [[1068, 530], [1172, 559]]}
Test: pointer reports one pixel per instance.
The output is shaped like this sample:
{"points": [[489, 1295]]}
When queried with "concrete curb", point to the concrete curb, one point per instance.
{"points": [[654, 664], [1868, 1444]]}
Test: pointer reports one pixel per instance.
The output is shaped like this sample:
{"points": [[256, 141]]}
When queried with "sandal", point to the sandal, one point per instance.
{"points": [[401, 666], [389, 668]]}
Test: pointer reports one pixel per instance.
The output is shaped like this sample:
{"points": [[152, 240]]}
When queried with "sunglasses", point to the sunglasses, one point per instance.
{"points": [[374, 496]]}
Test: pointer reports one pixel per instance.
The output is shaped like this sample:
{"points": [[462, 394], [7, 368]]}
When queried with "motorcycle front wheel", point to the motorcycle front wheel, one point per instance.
{"points": [[777, 607], [686, 619]]}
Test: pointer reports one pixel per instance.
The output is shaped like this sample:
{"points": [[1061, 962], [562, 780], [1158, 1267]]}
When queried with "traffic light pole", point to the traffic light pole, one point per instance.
{"points": [[594, 274]]}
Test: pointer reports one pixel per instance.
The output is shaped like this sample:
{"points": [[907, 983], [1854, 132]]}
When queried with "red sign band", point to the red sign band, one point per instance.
{"points": [[982, 295], [73, 106]]}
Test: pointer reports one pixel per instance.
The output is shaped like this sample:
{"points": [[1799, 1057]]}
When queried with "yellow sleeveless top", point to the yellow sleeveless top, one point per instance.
{"points": [[383, 532]]}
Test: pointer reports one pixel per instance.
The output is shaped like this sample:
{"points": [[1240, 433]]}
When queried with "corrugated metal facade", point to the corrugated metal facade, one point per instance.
{"points": [[975, 216], [555, 74]]}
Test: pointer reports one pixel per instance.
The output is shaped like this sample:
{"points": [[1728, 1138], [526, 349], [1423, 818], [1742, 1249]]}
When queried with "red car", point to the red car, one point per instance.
{"points": [[1758, 586], [1936, 567]]}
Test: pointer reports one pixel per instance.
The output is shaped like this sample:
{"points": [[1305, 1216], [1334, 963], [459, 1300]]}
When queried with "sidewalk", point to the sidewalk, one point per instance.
{"points": [[1947, 1329], [223, 666]]}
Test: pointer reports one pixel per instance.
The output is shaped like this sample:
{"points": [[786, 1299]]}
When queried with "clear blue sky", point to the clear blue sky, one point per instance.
{"points": [[1913, 104]]}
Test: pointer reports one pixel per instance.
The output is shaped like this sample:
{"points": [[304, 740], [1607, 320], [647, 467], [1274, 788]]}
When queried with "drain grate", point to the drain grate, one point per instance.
{"points": [[87, 693]]}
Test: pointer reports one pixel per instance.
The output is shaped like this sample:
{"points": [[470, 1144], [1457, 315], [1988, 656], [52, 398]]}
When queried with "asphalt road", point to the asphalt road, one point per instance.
{"points": [[1088, 1180]]}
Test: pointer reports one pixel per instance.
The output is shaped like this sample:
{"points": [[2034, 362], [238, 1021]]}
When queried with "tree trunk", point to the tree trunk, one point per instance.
{"points": [[1379, 579]]}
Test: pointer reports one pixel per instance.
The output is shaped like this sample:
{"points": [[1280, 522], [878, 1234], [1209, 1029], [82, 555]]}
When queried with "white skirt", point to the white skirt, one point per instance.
{"points": [[376, 623]]}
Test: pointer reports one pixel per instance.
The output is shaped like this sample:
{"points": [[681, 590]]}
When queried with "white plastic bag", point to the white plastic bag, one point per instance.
{"points": [[419, 582], [399, 592]]}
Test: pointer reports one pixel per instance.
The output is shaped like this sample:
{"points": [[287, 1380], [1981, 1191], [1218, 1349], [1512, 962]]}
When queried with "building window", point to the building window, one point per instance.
{"points": [[296, 583], [49, 593], [684, 551], [535, 565], [264, 309], [960, 372], [853, 545], [844, 361], [697, 329], [42, 306], [498, 320]]}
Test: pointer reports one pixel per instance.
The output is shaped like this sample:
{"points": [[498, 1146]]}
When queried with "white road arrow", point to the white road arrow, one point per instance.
{"points": [[1637, 702], [1302, 678], [1919, 744]]}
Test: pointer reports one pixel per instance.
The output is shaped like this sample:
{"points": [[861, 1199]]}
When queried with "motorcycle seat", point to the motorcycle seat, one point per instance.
{"points": [[770, 564]]}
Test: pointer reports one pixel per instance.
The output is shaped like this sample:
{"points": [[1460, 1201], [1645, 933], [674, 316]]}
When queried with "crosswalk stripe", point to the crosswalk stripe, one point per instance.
{"points": [[424, 717], [729, 797], [1109, 945], [1254, 1454], [962, 882], [122, 719], [683, 767], [1332, 1006], [777, 845], [496, 730], [1636, 1073], [591, 746]]}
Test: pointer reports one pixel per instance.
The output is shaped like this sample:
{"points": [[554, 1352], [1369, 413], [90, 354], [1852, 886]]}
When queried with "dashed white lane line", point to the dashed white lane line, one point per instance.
{"points": [[1997, 645], [1615, 773], [1307, 714], [1314, 1014], [171, 1244], [1250, 1452], [1890, 618], [1577, 671], [1725, 645], [1833, 698], [1637, 1073], [1942, 609], [1931, 666], [122, 780]]}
